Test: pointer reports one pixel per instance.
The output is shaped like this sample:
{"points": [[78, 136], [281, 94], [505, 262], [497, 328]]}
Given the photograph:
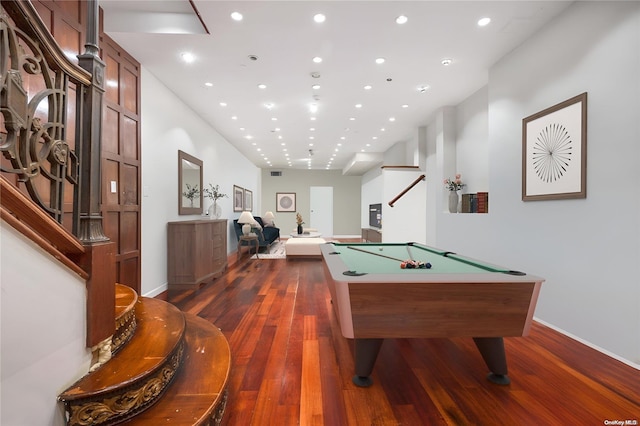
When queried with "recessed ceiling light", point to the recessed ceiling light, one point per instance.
{"points": [[446, 61], [367, 87], [401, 19], [311, 137], [483, 22], [234, 117], [374, 138], [242, 128], [352, 119], [313, 129], [383, 129], [274, 118], [392, 119], [343, 137], [262, 86], [310, 144], [358, 105], [312, 118], [405, 106], [269, 105], [236, 16], [208, 84], [223, 104], [319, 18], [380, 61], [317, 59], [249, 137], [313, 108], [315, 86], [187, 57]]}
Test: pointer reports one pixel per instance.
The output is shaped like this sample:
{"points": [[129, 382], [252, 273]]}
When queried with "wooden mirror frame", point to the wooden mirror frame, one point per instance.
{"points": [[184, 205]]}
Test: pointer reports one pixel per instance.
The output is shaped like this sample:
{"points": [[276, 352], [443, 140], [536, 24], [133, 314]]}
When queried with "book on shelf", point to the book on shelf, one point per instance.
{"points": [[483, 202], [465, 207], [475, 203]]}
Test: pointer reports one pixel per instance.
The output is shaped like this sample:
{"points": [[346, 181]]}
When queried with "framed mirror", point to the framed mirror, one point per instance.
{"points": [[189, 184]]}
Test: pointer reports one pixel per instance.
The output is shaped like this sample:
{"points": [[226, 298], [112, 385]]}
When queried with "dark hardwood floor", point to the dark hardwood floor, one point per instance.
{"points": [[292, 366]]}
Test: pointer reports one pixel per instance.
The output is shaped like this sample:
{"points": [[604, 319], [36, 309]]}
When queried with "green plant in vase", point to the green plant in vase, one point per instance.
{"points": [[214, 193]]}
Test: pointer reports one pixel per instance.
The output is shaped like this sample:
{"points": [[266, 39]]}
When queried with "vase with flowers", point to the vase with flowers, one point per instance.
{"points": [[300, 222], [454, 185], [213, 192]]}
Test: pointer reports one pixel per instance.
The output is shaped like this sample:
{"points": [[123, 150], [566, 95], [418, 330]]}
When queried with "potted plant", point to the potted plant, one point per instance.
{"points": [[299, 222], [454, 185], [213, 192]]}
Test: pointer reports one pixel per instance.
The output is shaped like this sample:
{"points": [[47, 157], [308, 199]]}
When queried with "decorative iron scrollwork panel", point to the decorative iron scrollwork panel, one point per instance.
{"points": [[33, 103]]}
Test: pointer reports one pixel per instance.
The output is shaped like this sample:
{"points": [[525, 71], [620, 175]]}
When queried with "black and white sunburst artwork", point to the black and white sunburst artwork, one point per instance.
{"points": [[552, 152]]}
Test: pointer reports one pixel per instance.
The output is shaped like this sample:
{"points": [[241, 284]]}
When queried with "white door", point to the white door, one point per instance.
{"points": [[321, 204]]}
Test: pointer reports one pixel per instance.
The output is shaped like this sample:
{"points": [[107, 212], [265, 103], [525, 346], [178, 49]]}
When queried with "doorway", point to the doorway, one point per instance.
{"points": [[321, 209]]}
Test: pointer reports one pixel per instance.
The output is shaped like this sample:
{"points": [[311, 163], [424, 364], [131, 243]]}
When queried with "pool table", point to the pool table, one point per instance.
{"points": [[375, 298]]}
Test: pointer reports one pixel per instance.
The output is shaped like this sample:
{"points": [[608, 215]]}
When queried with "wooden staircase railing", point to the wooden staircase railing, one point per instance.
{"points": [[407, 189], [25, 216], [42, 95]]}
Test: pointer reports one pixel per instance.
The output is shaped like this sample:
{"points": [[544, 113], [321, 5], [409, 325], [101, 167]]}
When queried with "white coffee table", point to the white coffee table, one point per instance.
{"points": [[306, 235]]}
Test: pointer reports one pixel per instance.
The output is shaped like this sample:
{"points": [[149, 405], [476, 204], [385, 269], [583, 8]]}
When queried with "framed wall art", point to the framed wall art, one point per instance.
{"points": [[285, 201], [238, 198], [554, 152], [248, 200]]}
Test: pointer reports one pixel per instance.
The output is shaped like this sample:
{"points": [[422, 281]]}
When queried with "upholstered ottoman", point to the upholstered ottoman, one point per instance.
{"points": [[303, 247]]}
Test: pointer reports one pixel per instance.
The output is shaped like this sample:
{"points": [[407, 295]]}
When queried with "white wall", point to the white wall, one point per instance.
{"points": [[346, 218], [43, 332], [472, 142], [168, 125], [587, 249]]}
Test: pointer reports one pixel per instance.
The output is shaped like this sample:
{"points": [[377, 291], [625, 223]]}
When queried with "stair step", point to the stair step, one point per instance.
{"points": [[197, 395], [137, 375], [126, 299]]}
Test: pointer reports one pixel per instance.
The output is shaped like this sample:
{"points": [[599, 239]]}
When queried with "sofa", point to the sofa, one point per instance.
{"points": [[266, 234]]}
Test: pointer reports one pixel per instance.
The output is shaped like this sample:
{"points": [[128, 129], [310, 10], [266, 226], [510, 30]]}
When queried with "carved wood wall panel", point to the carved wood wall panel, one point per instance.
{"points": [[121, 159]]}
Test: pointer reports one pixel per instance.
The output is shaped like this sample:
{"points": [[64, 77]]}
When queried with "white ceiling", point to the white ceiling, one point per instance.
{"points": [[285, 39]]}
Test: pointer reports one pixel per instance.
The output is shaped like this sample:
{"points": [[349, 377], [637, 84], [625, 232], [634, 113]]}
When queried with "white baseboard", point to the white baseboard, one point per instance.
{"points": [[156, 291], [591, 345]]}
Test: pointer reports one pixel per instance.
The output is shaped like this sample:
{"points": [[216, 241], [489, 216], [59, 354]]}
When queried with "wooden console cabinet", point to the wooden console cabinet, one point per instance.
{"points": [[370, 235], [197, 252]]}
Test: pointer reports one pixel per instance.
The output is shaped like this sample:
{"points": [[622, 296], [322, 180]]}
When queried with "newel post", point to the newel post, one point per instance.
{"points": [[99, 260]]}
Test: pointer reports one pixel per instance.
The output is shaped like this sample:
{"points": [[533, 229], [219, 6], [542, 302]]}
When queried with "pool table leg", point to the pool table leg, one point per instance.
{"points": [[492, 351], [366, 352]]}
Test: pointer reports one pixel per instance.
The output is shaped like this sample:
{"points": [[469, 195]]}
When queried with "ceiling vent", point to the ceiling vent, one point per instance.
{"points": [[276, 173]]}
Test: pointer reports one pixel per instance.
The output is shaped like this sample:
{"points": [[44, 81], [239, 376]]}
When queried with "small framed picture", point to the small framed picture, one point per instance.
{"points": [[248, 200], [285, 201], [238, 198]]}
